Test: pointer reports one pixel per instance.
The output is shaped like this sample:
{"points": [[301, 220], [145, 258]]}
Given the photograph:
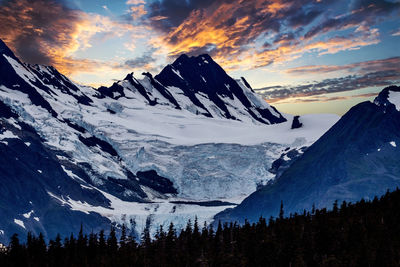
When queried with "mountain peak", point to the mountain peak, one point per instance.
{"points": [[201, 77], [129, 77], [388, 97], [184, 59], [5, 50]]}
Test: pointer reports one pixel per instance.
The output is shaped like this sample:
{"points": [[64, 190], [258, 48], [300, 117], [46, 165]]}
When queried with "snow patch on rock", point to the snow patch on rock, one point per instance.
{"points": [[394, 98], [20, 223]]}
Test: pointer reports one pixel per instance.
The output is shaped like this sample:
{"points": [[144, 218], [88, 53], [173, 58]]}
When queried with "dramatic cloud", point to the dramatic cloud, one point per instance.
{"points": [[35, 28], [292, 50], [335, 85], [167, 14], [254, 33], [224, 29], [359, 67], [48, 32], [239, 35], [363, 13]]}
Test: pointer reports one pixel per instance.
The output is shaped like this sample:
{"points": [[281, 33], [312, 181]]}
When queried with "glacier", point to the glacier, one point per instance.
{"points": [[152, 145]]}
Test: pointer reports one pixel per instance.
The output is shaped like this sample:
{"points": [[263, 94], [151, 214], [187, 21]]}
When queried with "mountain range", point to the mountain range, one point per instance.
{"points": [[188, 142]]}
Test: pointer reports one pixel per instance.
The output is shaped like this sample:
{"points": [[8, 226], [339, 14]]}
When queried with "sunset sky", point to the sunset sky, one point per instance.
{"points": [[305, 56]]}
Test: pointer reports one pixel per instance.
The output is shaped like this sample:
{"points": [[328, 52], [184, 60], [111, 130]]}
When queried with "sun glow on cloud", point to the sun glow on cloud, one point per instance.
{"points": [[46, 32], [247, 37]]}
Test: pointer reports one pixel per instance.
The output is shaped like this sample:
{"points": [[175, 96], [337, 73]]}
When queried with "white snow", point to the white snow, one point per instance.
{"points": [[71, 174], [28, 144], [1, 232], [28, 214], [205, 158], [39, 171], [8, 134], [161, 212], [393, 144], [177, 72], [394, 98], [20, 70], [20, 223], [14, 123]]}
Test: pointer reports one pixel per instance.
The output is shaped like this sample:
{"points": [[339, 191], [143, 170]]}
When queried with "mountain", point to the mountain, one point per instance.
{"points": [[142, 152], [198, 85], [359, 157]]}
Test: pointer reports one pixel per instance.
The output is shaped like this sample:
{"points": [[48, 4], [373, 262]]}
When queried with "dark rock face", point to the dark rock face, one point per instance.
{"points": [[296, 122], [285, 160], [94, 141], [157, 182], [202, 75], [50, 76], [10, 79], [164, 92], [359, 157], [196, 78], [382, 99]]}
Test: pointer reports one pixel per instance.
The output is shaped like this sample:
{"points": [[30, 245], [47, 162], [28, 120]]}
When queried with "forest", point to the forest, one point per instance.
{"points": [[366, 233]]}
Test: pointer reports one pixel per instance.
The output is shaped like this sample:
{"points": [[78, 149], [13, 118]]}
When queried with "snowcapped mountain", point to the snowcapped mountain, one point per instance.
{"points": [[200, 86], [188, 141], [359, 157]]}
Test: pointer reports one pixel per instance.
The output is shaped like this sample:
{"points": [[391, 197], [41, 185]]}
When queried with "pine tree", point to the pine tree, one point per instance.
{"points": [[281, 213]]}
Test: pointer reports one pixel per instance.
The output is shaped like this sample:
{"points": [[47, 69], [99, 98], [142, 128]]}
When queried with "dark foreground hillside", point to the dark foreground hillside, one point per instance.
{"points": [[361, 234]]}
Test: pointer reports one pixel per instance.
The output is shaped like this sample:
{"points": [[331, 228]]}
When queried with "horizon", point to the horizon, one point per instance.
{"points": [[302, 56]]}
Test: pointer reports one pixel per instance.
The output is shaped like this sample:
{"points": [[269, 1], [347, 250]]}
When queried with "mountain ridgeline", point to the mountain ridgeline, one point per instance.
{"points": [[72, 154], [198, 78]]}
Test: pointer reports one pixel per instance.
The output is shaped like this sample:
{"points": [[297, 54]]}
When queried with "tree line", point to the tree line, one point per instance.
{"points": [[366, 233]]}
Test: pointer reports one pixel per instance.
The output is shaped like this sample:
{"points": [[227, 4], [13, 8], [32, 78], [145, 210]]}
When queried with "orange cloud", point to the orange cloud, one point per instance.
{"points": [[46, 32], [229, 32], [288, 51], [137, 11], [220, 28], [135, 2]]}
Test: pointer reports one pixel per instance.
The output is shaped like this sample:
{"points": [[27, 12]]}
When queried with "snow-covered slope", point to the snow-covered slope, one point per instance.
{"points": [[144, 148]]}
